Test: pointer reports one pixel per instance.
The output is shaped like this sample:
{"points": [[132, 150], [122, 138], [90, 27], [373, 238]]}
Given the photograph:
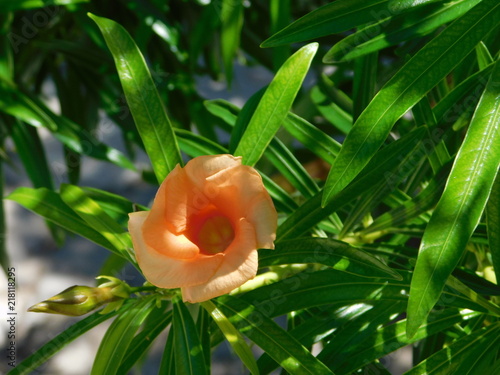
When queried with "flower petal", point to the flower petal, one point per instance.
{"points": [[166, 272], [242, 194], [239, 265]]}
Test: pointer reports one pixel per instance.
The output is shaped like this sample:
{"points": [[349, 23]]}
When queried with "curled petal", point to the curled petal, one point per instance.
{"points": [[164, 271], [239, 265]]}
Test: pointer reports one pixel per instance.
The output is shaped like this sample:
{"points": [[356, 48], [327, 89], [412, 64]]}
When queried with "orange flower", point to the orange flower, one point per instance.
{"points": [[202, 234]]}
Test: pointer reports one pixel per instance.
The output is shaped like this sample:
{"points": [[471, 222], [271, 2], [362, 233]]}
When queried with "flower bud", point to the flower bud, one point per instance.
{"points": [[77, 300]]}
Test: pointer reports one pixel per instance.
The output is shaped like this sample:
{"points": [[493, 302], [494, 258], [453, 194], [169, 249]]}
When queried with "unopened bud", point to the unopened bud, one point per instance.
{"points": [[77, 300]]}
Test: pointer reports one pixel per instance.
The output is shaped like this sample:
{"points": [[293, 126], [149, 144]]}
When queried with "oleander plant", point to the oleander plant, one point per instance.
{"points": [[348, 209]]}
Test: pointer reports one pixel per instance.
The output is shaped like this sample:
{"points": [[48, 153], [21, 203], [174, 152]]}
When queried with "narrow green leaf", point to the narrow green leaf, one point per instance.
{"points": [[449, 359], [189, 357], [385, 166], [450, 107], [310, 136], [460, 207], [341, 15], [116, 206], [389, 338], [400, 5], [286, 163], [411, 209], [8, 5], [333, 253], [282, 347], [196, 145], [143, 340], [345, 340], [309, 289], [142, 97], [364, 83], [397, 29], [483, 56], [493, 222], [422, 72], [232, 22], [30, 150], [331, 111], [274, 105], [50, 206], [95, 217], [72, 135], [223, 109], [280, 11], [119, 335], [333, 318], [233, 336], [203, 326], [28, 365], [244, 117], [167, 365]]}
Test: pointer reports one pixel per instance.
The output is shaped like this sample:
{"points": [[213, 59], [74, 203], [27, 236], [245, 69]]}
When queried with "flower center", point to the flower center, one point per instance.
{"points": [[215, 234]]}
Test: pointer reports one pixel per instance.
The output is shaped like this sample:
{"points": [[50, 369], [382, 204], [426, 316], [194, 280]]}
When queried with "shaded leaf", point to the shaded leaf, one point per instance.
{"points": [[420, 74], [460, 207]]}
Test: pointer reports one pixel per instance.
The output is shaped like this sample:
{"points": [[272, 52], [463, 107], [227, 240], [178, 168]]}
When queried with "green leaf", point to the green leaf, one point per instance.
{"points": [[389, 338], [329, 252], [332, 18], [400, 5], [380, 168], [196, 145], [167, 365], [411, 209], [310, 136], [233, 336], [232, 22], [116, 206], [8, 5], [364, 83], [244, 118], [460, 207], [275, 341], [28, 365], [358, 329], [484, 57], [332, 318], [189, 357], [396, 29], [223, 109], [119, 335], [493, 222], [309, 289], [280, 11], [50, 206], [331, 111], [203, 323], [274, 105], [143, 340], [422, 72], [143, 99], [465, 352], [30, 149], [286, 163], [95, 217], [72, 135]]}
